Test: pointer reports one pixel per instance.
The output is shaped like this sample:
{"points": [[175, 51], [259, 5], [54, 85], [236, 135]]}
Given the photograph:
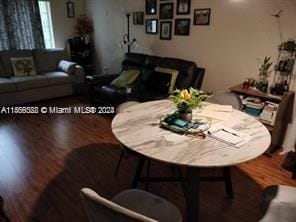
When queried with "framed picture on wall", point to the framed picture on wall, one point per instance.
{"points": [[151, 7], [202, 16], [166, 11], [166, 30], [183, 7], [138, 18], [182, 27], [151, 26], [70, 9]]}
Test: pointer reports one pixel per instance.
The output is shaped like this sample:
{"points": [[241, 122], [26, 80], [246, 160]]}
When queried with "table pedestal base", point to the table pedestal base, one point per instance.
{"points": [[192, 181]]}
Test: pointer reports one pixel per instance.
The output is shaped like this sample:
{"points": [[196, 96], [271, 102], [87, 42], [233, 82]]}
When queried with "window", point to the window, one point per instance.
{"points": [[45, 13]]}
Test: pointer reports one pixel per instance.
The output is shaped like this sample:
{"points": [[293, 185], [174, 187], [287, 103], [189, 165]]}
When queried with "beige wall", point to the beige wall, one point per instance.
{"points": [[63, 26], [240, 32]]}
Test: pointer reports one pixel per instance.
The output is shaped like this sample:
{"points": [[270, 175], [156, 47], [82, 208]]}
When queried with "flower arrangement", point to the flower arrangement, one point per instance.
{"points": [[84, 25], [187, 100]]}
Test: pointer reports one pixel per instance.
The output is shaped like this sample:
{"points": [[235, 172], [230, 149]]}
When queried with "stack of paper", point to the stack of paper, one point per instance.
{"points": [[228, 135], [215, 111]]}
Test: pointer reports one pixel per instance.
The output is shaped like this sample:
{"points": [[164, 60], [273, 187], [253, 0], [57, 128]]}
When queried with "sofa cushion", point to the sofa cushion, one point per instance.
{"points": [[47, 60], [186, 70], [2, 72], [174, 74], [126, 78], [7, 54], [58, 78], [23, 66], [7, 85], [146, 75], [29, 82], [163, 81]]}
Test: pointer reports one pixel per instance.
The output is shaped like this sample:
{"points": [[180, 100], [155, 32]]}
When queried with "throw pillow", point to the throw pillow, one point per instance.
{"points": [[66, 66], [174, 74], [23, 66], [160, 83], [126, 78], [146, 75], [2, 73]]}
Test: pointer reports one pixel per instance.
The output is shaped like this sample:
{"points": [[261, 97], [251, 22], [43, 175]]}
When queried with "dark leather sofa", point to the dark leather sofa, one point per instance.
{"points": [[147, 87]]}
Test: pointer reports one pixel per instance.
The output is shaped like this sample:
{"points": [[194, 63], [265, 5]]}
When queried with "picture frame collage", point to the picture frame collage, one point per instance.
{"points": [[166, 9]]}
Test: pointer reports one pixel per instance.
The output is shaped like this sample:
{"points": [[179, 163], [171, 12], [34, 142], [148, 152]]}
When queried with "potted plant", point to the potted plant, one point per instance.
{"points": [[186, 101], [264, 73]]}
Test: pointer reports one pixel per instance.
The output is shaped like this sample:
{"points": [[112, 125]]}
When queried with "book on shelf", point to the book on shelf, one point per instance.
{"points": [[269, 112]]}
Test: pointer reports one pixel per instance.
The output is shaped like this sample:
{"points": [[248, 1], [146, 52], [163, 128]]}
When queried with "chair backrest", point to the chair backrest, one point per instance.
{"points": [[226, 98], [103, 210], [279, 204]]}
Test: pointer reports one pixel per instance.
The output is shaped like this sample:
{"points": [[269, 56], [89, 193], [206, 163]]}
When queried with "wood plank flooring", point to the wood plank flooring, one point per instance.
{"points": [[46, 159]]}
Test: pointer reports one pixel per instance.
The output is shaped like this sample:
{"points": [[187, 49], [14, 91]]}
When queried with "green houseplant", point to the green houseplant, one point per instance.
{"points": [[264, 73], [186, 101]]}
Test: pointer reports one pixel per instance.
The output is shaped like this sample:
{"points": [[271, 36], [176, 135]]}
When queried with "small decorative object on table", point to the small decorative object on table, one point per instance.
{"points": [[264, 73], [186, 101], [249, 82], [195, 128]]}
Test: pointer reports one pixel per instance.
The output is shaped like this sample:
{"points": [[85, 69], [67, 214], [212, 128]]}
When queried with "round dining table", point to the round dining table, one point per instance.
{"points": [[138, 129]]}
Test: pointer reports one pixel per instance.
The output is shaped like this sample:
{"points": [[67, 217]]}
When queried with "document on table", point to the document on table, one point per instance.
{"points": [[215, 111], [228, 135]]}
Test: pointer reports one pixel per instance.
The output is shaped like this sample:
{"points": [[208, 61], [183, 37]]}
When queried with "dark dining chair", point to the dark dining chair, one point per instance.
{"points": [[129, 206]]}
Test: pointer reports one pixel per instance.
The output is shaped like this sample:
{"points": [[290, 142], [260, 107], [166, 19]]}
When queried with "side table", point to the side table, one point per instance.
{"points": [[284, 113]]}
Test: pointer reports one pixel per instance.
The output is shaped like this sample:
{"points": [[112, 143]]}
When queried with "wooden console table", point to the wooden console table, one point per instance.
{"points": [[284, 113]]}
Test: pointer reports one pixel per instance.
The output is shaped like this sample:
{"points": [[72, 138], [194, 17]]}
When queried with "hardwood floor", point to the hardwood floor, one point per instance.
{"points": [[46, 159]]}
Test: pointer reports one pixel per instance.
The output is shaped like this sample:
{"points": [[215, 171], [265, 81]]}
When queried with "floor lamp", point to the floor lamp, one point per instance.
{"points": [[126, 37]]}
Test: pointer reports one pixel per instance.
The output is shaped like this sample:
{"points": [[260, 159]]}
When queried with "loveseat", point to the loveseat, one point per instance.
{"points": [[150, 85], [51, 80]]}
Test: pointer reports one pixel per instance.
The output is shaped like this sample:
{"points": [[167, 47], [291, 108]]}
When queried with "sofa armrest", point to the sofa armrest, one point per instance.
{"points": [[100, 79], [78, 74], [200, 72]]}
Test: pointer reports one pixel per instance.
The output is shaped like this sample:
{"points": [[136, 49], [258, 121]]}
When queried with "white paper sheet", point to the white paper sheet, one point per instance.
{"points": [[228, 135], [215, 111]]}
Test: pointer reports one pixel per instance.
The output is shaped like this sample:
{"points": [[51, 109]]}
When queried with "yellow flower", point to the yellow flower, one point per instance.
{"points": [[185, 95]]}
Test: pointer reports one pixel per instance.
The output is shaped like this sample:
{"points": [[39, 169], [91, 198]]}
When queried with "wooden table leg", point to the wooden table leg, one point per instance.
{"points": [[192, 195], [119, 162], [228, 182], [183, 183], [138, 172]]}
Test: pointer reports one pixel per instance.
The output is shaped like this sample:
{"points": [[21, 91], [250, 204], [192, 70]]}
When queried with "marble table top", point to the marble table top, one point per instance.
{"points": [[138, 129]]}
